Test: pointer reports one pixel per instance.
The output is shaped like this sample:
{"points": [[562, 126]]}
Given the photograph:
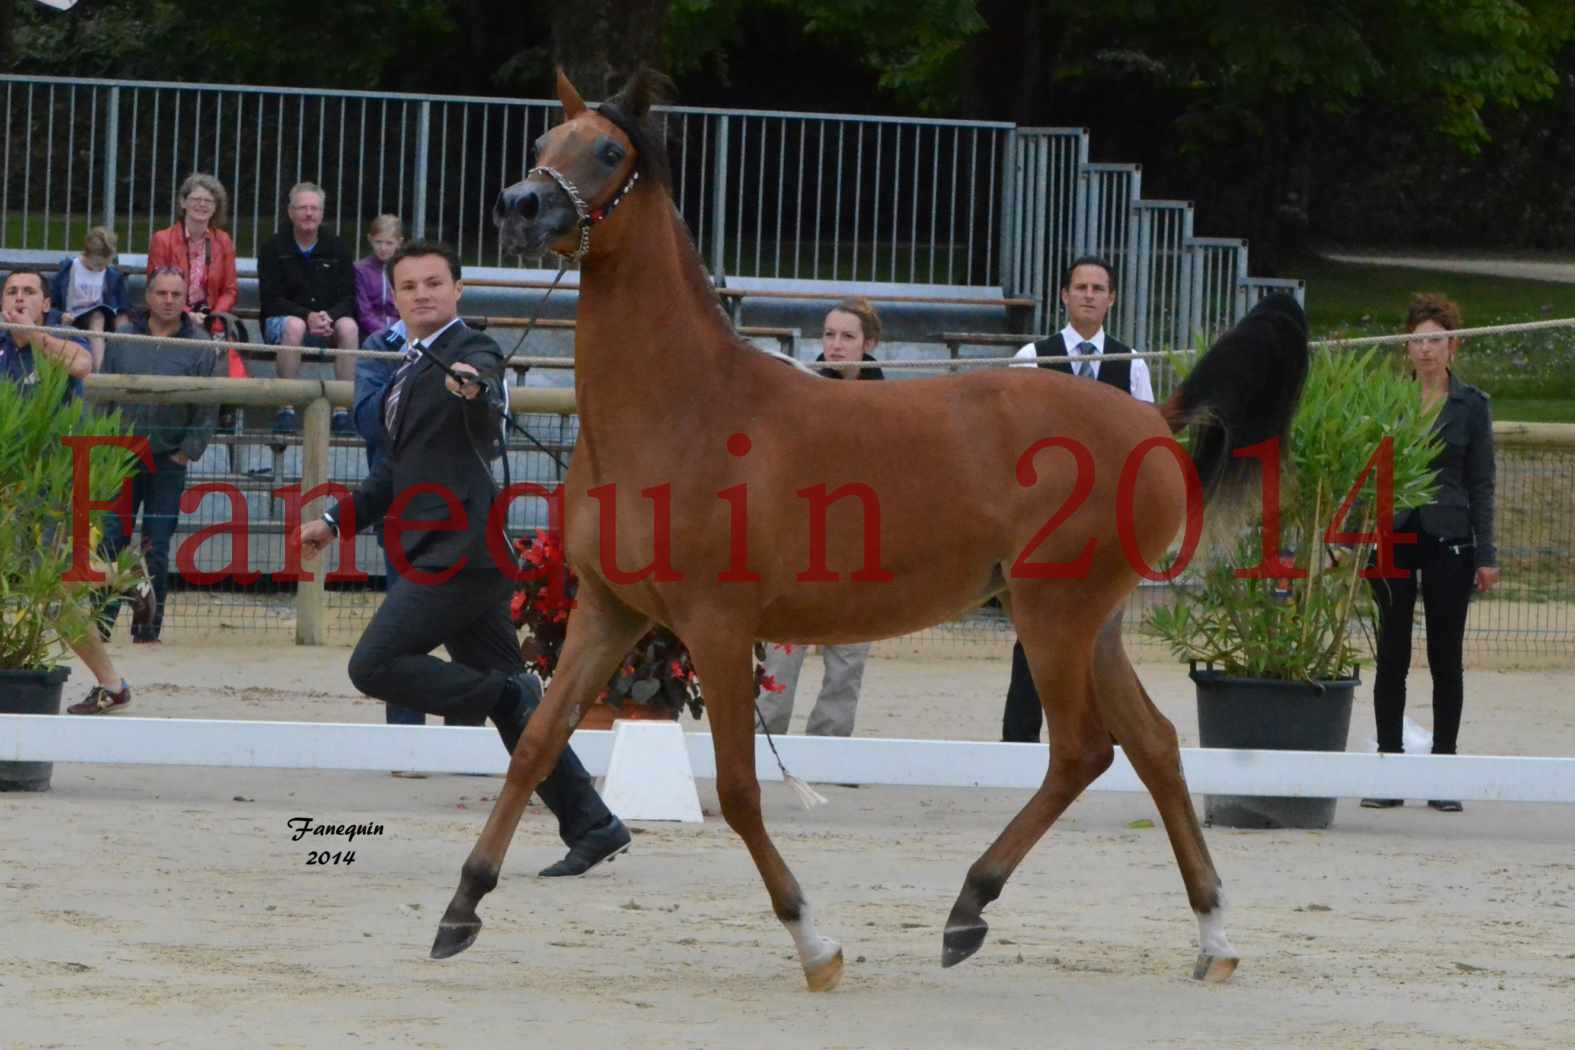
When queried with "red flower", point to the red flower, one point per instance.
{"points": [[771, 685]]}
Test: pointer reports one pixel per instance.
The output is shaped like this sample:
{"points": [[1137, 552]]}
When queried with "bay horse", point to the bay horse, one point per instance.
{"points": [[709, 489]]}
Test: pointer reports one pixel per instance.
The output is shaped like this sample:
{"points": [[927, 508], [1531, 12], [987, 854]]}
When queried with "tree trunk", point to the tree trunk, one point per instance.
{"points": [[599, 43]]}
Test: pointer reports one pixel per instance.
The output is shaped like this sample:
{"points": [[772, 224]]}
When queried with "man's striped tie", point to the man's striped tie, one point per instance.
{"points": [[1085, 364], [396, 387]]}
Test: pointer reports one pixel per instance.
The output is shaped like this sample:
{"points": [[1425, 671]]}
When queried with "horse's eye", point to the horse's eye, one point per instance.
{"points": [[612, 153]]}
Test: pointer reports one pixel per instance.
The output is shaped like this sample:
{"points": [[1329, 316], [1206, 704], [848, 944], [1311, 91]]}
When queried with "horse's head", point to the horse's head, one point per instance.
{"points": [[584, 169]]}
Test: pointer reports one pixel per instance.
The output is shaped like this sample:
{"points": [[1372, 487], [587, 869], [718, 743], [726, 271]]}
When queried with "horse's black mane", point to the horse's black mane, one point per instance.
{"points": [[630, 112]]}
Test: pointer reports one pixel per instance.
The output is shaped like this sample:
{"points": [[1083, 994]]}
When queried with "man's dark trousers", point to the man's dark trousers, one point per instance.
{"points": [[1023, 716], [468, 615], [156, 494]]}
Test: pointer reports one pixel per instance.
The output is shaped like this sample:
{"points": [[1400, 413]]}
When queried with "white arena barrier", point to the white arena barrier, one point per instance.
{"points": [[860, 760]]}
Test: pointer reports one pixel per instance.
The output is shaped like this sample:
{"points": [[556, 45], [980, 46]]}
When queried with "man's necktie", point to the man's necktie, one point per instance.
{"points": [[1085, 363], [396, 387]]}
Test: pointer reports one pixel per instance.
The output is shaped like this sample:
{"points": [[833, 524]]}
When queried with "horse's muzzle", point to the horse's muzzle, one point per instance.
{"points": [[532, 214]]}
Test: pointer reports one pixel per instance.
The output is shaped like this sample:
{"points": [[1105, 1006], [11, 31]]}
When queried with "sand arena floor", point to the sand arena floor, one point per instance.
{"points": [[168, 907]]}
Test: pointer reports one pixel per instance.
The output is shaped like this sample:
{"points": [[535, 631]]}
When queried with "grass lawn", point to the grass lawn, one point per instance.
{"points": [[1535, 409], [1531, 376], [1343, 297]]}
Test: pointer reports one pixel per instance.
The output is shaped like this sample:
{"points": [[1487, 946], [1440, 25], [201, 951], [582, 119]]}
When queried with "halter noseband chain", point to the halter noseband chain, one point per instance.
{"points": [[588, 216]]}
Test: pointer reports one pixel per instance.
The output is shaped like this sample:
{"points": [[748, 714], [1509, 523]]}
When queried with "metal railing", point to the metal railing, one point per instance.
{"points": [[809, 197], [768, 194]]}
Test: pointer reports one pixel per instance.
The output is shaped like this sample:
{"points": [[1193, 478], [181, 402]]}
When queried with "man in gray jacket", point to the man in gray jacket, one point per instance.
{"points": [[177, 436]]}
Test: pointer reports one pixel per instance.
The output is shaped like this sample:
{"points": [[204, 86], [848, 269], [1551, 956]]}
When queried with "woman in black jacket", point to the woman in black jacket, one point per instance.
{"points": [[1454, 553]]}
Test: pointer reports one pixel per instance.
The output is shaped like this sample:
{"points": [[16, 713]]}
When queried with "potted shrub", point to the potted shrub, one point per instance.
{"points": [[656, 679], [1268, 626], [41, 614]]}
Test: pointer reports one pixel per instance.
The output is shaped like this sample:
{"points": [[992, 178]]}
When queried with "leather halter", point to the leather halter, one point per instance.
{"points": [[588, 216]]}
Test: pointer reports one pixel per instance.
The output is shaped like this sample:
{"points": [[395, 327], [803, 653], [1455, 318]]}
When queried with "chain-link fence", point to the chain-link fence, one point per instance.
{"points": [[248, 484]]}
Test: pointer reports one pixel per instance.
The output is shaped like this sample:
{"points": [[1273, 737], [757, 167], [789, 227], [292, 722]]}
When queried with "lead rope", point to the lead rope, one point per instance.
{"points": [[808, 797]]}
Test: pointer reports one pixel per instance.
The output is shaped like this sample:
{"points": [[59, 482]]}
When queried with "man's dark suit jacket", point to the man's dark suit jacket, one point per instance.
{"points": [[439, 441]]}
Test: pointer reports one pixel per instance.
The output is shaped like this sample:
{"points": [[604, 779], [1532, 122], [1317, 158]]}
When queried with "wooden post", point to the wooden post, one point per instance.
{"points": [[311, 626]]}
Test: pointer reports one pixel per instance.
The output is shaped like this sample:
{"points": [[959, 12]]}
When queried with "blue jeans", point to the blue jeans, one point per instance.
{"points": [[156, 495]]}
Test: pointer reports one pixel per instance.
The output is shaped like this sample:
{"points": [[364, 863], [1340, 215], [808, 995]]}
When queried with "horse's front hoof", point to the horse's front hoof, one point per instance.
{"points": [[1213, 969], [959, 942], [454, 937], [823, 977]]}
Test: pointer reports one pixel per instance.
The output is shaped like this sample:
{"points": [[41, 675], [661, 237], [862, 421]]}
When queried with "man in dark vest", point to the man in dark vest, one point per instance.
{"points": [[1088, 291]]}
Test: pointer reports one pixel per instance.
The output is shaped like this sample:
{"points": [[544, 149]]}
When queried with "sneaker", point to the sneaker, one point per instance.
{"points": [[285, 422], [341, 425], [1445, 805], [1382, 803], [101, 701], [595, 846]]}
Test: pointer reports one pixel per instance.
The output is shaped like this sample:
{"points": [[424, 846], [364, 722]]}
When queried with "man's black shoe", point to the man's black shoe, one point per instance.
{"points": [[598, 844]]}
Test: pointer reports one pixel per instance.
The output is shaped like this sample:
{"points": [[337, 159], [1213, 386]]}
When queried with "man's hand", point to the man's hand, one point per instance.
{"points": [[68, 319], [181, 458], [21, 336], [467, 390], [1487, 578], [314, 537], [319, 323]]}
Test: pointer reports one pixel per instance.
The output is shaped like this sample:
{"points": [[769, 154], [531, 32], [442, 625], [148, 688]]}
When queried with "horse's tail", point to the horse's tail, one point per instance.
{"points": [[1242, 392]]}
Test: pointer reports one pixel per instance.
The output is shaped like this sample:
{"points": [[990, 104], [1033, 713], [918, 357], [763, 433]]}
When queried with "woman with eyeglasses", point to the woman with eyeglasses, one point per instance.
{"points": [[198, 248]]}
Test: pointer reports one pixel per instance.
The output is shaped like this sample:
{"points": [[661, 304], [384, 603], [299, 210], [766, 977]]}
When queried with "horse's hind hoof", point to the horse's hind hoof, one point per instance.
{"points": [[1213, 969], [824, 976], [959, 942], [454, 937]]}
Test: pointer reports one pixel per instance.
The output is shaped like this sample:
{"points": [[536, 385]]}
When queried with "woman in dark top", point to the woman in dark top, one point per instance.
{"points": [[851, 331], [1454, 553]]}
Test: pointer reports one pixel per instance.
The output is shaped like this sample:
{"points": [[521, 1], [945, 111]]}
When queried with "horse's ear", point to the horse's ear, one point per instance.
{"points": [[646, 88], [573, 104]]}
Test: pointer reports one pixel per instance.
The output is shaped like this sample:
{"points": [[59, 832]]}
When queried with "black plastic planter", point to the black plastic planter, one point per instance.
{"points": [[30, 693], [1269, 715]]}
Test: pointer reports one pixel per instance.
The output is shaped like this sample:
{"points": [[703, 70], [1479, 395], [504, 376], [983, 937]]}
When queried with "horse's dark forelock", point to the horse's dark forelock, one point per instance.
{"points": [[630, 112]]}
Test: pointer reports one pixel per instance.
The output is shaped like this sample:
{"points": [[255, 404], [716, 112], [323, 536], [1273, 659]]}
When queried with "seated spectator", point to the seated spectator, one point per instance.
{"points": [[374, 297], [197, 246], [24, 299], [306, 280], [177, 435], [89, 290]]}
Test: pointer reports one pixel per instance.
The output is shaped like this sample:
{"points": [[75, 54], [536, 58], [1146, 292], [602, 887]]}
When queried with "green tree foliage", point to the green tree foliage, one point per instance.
{"points": [[349, 43]]}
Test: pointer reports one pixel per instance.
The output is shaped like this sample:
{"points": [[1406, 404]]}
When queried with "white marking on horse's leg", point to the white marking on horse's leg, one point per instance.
{"points": [[1211, 934], [813, 949]]}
